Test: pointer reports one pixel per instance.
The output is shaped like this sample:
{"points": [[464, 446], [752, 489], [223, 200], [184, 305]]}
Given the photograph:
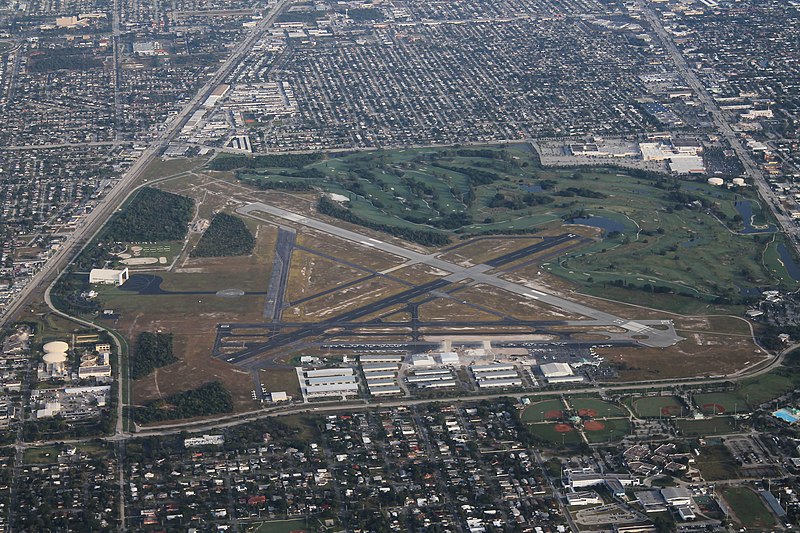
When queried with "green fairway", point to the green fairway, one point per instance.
{"points": [[657, 406], [717, 425], [678, 238], [541, 411], [595, 408], [748, 507]]}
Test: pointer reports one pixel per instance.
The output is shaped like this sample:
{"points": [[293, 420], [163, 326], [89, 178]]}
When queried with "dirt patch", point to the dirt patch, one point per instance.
{"points": [[554, 415], [713, 408], [563, 428], [590, 413]]}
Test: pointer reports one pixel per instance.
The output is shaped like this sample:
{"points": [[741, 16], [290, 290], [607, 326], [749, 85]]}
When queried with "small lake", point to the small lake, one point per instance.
{"points": [[788, 261], [605, 224], [745, 210]]}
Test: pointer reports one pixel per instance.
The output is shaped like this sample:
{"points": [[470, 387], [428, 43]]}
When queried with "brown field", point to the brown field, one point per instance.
{"points": [[482, 250], [513, 305], [310, 274], [418, 274], [369, 258], [446, 309], [698, 355], [280, 379], [349, 298]]}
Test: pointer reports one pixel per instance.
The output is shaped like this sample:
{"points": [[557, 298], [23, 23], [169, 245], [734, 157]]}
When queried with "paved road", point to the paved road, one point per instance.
{"points": [[639, 331]]}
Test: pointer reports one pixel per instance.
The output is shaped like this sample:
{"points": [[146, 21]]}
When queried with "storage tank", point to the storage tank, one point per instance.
{"points": [[715, 181]]}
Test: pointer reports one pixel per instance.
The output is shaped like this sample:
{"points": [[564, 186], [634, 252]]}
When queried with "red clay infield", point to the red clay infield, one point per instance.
{"points": [[553, 414], [713, 408], [670, 410], [587, 412], [563, 428], [594, 425]]}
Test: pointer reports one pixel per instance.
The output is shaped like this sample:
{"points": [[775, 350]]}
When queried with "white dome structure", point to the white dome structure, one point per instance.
{"points": [[56, 346]]}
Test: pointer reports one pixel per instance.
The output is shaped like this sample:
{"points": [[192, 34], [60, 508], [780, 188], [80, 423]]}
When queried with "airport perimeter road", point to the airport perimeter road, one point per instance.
{"points": [[126, 185], [479, 273], [723, 126]]}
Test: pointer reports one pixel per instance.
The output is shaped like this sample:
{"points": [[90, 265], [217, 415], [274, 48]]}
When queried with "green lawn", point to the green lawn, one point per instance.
{"points": [[615, 429], [537, 411], [657, 406], [547, 432], [719, 403], [718, 425], [748, 507], [602, 409]]}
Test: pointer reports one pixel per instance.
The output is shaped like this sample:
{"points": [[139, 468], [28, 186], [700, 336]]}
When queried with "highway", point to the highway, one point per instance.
{"points": [[95, 220], [638, 331], [752, 170]]}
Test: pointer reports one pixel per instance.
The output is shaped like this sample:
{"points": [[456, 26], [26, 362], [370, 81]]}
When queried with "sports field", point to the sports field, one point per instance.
{"points": [[748, 507], [657, 406], [719, 403], [717, 425], [606, 430], [555, 433], [594, 408], [542, 411]]}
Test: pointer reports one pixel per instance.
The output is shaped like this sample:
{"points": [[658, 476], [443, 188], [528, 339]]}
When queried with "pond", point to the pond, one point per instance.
{"points": [[605, 224], [788, 262], [745, 210]]}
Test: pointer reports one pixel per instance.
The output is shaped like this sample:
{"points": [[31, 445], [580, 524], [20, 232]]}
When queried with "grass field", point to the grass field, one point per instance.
{"points": [[41, 455], [282, 526], [547, 432], [748, 508], [657, 406], [761, 389], [615, 429], [715, 462], [719, 403], [596, 408], [541, 411], [717, 425]]}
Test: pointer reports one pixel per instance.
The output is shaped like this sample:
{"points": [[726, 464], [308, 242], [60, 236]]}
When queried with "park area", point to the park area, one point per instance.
{"points": [[544, 410], [657, 406], [720, 403], [606, 430], [750, 510], [595, 408], [555, 433]]}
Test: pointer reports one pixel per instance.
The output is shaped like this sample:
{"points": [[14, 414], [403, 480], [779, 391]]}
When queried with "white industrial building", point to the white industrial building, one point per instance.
{"points": [[205, 440], [99, 371], [108, 276], [583, 498], [447, 358], [377, 367], [500, 383], [339, 382], [556, 370], [421, 360], [380, 358]]}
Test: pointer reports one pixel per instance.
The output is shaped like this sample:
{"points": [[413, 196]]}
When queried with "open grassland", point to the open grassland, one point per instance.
{"points": [[310, 274], [349, 298], [554, 433], [699, 354], [715, 462], [513, 305], [719, 403], [750, 510], [447, 310]]}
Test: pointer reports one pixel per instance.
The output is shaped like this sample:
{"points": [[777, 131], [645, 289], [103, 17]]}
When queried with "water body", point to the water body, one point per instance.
{"points": [[745, 210], [788, 261], [605, 224]]}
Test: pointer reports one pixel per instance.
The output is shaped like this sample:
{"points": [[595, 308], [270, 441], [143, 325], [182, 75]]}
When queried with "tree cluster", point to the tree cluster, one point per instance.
{"points": [[210, 399], [152, 215], [153, 350], [226, 236]]}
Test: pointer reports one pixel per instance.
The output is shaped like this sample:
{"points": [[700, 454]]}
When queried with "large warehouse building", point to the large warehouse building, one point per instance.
{"points": [[108, 276]]}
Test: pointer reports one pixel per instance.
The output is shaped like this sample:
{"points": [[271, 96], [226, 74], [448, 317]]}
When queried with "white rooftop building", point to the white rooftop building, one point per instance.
{"points": [[108, 276]]}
